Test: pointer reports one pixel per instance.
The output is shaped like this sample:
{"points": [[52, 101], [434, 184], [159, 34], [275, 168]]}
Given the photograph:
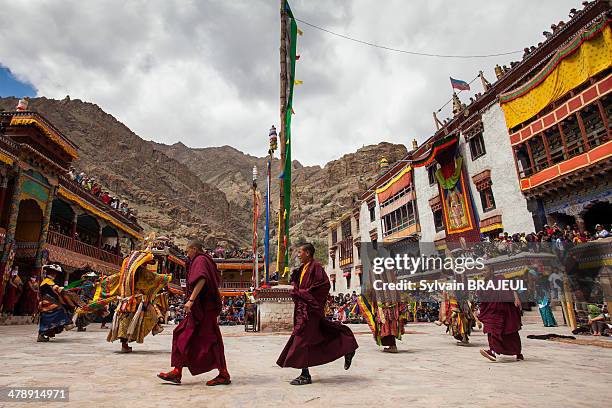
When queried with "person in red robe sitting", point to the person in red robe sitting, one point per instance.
{"points": [[196, 342], [500, 314], [314, 340]]}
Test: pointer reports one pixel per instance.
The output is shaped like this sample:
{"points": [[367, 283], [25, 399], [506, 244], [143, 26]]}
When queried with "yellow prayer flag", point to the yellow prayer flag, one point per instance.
{"points": [[298, 82], [300, 32]]}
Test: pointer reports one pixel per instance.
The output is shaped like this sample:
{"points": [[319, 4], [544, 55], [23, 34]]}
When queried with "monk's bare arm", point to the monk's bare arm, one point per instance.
{"points": [[197, 289]]}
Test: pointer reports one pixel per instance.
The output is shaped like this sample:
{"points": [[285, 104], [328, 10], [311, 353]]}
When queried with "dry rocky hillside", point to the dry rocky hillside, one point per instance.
{"points": [[205, 192]]}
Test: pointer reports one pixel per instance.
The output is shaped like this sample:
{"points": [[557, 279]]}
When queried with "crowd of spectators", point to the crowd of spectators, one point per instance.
{"points": [[233, 311], [91, 185], [231, 253], [161, 245], [550, 238], [344, 308]]}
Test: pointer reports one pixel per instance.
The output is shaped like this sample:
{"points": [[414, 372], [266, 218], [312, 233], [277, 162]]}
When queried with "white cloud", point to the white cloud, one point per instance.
{"points": [[206, 73]]}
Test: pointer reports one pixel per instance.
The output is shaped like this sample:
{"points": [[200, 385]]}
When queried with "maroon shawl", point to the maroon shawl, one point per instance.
{"points": [[196, 342], [314, 340]]}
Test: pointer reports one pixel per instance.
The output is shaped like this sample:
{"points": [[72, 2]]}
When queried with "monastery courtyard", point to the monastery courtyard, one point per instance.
{"points": [[429, 371]]}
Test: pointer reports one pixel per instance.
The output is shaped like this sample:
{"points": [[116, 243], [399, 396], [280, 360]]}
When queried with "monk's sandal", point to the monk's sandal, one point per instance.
{"points": [[301, 380]]}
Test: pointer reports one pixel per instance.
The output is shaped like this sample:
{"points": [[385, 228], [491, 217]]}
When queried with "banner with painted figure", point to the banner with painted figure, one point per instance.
{"points": [[456, 199]]}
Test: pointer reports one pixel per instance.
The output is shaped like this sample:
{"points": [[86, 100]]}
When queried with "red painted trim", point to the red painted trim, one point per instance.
{"points": [[601, 88], [544, 176], [561, 112], [589, 95], [525, 184], [600, 152], [605, 86], [574, 104], [597, 154], [549, 119], [573, 163]]}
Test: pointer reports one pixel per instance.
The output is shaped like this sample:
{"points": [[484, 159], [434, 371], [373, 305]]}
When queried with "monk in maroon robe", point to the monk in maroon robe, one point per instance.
{"points": [[315, 340], [13, 291], [196, 342], [500, 314], [30, 297]]}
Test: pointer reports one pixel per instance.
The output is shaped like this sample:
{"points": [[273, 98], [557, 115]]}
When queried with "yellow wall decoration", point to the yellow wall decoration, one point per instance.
{"points": [[589, 53]]}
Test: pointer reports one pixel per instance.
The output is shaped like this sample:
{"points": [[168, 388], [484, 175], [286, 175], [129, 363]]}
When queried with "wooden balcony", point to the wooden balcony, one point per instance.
{"points": [[235, 285], [65, 242]]}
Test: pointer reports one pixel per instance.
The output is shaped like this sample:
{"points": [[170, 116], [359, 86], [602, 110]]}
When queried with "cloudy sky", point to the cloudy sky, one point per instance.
{"points": [[207, 73]]}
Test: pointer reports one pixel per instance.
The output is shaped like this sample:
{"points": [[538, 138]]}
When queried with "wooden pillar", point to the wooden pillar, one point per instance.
{"points": [[531, 162], [604, 119], [12, 218], [73, 229], [3, 187], [44, 229], [583, 131], [546, 148], [99, 243], [563, 140], [284, 85], [569, 304]]}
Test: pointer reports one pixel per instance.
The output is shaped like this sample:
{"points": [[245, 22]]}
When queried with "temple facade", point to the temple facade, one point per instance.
{"points": [[532, 149], [558, 117], [344, 264], [45, 216]]}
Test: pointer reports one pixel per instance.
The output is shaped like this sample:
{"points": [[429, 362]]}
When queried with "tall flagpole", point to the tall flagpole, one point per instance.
{"points": [[280, 257], [255, 217], [273, 145]]}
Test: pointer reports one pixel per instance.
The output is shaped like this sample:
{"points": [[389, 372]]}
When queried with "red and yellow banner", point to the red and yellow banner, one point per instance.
{"points": [[589, 53]]}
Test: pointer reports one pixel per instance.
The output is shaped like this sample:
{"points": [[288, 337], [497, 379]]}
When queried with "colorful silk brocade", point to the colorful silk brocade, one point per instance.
{"points": [[136, 289], [384, 319]]}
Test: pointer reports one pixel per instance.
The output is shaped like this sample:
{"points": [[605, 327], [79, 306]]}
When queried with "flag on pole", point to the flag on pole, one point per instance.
{"points": [[459, 84], [291, 38]]}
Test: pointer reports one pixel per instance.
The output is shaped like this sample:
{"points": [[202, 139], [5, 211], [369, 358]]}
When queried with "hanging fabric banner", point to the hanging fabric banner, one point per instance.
{"points": [[285, 212], [587, 54]]}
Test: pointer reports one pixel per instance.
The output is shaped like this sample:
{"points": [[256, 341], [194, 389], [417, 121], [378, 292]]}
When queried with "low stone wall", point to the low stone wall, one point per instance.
{"points": [[275, 309]]}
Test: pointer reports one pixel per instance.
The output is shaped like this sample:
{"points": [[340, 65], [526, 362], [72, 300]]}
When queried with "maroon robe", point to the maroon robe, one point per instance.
{"points": [[12, 295], [315, 340], [501, 321], [196, 342]]}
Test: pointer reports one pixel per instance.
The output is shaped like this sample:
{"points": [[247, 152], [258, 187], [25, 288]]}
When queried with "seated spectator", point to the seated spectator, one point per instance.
{"points": [[597, 320], [601, 232]]}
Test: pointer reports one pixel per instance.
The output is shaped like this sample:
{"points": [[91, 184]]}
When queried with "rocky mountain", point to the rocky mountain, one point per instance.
{"points": [[169, 197], [205, 192], [319, 194]]}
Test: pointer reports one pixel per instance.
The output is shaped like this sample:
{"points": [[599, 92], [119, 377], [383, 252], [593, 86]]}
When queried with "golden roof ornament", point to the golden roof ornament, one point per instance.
{"points": [[383, 163], [457, 106], [23, 103]]}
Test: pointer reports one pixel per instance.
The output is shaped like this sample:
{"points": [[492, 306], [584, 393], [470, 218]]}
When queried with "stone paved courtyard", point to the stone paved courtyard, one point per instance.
{"points": [[429, 371]]}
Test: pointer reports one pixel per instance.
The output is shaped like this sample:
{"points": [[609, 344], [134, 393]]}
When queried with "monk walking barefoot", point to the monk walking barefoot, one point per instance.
{"points": [[196, 342], [315, 340]]}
